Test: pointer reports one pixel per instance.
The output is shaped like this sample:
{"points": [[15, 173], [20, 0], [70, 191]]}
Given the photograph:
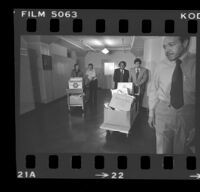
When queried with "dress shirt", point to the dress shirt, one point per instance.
{"points": [[137, 69], [161, 82], [91, 74]]}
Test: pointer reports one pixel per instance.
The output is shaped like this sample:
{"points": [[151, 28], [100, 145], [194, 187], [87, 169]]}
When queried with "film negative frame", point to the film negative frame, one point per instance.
{"points": [[108, 22]]}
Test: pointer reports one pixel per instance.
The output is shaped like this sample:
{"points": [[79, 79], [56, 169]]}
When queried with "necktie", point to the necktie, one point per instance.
{"points": [[137, 73], [176, 92], [121, 76]]}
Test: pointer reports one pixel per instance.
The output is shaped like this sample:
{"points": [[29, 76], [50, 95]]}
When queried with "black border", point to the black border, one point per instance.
{"points": [[12, 138]]}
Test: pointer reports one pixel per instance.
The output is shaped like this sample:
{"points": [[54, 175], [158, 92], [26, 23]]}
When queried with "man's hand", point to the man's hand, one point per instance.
{"points": [[191, 136], [151, 121]]}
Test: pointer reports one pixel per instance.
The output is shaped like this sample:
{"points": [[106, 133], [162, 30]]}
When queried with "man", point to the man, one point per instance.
{"points": [[121, 74], [139, 77], [91, 84], [76, 72], [172, 98]]}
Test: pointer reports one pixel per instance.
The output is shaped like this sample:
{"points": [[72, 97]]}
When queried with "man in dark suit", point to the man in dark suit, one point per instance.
{"points": [[121, 74], [139, 77]]}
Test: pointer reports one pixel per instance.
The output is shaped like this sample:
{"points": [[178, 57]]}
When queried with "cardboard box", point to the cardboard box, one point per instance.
{"points": [[119, 120], [75, 83]]}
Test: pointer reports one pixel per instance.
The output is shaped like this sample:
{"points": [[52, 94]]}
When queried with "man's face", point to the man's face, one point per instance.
{"points": [[76, 67], [173, 47], [122, 66], [90, 67], [137, 64]]}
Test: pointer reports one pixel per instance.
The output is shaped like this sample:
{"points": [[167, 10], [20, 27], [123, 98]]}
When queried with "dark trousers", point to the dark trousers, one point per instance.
{"points": [[92, 91], [140, 99], [115, 86]]}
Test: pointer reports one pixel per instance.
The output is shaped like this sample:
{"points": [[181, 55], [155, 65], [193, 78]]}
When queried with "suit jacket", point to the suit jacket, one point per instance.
{"points": [[141, 80], [117, 74]]}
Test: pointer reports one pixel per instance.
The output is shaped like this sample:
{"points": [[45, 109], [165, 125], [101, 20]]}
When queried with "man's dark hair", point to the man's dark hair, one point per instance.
{"points": [[184, 38], [123, 63], [90, 64], [138, 60]]}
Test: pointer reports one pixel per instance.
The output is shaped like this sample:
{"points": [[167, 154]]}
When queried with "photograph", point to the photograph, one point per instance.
{"points": [[106, 94]]}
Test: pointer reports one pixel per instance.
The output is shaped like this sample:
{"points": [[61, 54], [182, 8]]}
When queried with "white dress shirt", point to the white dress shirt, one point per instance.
{"points": [[91, 74], [137, 69], [161, 81], [122, 71]]}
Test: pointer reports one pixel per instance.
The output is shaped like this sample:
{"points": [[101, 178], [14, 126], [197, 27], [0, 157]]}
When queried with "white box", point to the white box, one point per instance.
{"points": [[119, 120], [75, 83], [125, 85]]}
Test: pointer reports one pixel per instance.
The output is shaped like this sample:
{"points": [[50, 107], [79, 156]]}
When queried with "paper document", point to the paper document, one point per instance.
{"points": [[121, 102]]}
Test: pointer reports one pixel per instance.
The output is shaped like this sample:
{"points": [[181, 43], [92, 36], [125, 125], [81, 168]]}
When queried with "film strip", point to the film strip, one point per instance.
{"points": [[40, 30]]}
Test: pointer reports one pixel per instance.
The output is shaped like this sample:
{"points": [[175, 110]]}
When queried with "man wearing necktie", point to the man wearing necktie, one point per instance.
{"points": [[172, 98], [139, 78], [121, 74]]}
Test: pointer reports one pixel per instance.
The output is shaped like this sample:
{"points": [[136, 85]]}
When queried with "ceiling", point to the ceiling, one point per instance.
{"points": [[82, 44], [96, 43]]}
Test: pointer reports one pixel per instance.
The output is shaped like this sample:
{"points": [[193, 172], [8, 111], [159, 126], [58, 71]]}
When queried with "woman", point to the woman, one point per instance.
{"points": [[76, 72], [91, 84]]}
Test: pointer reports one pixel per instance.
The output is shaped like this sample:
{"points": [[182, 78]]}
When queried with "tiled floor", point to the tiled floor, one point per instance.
{"points": [[53, 129]]}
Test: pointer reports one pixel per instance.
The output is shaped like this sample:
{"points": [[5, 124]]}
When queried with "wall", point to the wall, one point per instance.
{"points": [[26, 89], [62, 68], [35, 48], [97, 58], [52, 84]]}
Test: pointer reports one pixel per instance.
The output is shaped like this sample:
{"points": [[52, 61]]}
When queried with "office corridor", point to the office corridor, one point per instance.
{"points": [[53, 129]]}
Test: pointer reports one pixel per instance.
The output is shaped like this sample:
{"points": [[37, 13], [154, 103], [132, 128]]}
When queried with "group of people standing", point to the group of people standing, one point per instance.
{"points": [[137, 75], [171, 95]]}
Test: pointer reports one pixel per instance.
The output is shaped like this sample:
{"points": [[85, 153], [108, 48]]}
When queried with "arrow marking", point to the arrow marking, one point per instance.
{"points": [[197, 176], [102, 175]]}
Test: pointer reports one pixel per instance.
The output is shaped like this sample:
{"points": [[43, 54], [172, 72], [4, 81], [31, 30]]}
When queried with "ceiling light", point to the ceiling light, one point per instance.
{"points": [[109, 42], [105, 51], [96, 42]]}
